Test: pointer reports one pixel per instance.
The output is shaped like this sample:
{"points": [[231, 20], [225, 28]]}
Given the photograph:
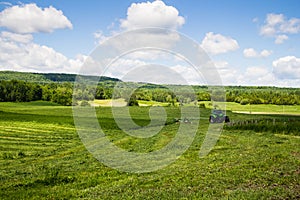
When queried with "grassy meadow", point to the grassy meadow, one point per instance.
{"points": [[42, 157], [258, 108], [230, 106]]}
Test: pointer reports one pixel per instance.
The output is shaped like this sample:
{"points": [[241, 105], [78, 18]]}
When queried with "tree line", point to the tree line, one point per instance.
{"points": [[277, 96], [66, 94]]}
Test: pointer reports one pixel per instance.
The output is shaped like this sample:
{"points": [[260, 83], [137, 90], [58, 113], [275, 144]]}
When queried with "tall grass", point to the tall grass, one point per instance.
{"points": [[273, 125]]}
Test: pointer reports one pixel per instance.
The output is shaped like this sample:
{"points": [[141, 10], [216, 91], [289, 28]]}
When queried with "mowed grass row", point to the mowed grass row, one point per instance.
{"points": [[42, 157], [32, 135]]}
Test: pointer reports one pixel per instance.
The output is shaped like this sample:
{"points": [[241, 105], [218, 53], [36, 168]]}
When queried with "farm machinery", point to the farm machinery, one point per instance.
{"points": [[218, 116]]}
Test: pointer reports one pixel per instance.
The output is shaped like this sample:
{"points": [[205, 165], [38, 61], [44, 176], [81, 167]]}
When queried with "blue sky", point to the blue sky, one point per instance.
{"points": [[250, 42]]}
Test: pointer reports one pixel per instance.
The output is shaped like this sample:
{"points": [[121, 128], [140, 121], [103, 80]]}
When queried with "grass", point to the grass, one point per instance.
{"points": [[42, 157], [108, 102], [122, 102], [230, 106], [259, 108], [283, 125]]}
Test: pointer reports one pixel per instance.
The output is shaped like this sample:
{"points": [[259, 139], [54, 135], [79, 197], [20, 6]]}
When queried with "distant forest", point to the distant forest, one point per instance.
{"points": [[59, 88]]}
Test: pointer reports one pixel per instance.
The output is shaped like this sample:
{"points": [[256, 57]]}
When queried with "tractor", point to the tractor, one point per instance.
{"points": [[218, 116]]}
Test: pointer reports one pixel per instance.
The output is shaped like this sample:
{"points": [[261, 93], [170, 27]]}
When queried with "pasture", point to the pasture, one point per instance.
{"points": [[259, 108], [42, 157]]}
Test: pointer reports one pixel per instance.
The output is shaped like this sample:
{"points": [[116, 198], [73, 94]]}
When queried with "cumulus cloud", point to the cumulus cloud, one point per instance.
{"points": [[123, 66], [152, 14], [278, 26], [287, 67], [257, 75], [100, 37], [280, 39], [30, 18], [22, 38], [217, 43], [143, 17], [251, 53], [255, 72], [20, 53], [253, 75], [227, 73]]}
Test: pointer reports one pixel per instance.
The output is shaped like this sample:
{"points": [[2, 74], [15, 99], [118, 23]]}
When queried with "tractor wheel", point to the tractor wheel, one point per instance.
{"points": [[227, 119]]}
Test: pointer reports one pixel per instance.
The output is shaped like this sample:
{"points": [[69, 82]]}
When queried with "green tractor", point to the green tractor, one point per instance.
{"points": [[218, 116]]}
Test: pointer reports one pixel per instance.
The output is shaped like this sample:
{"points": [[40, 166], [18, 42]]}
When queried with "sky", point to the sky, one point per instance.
{"points": [[250, 42]]}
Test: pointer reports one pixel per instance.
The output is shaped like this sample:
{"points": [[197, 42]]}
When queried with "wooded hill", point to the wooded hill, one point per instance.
{"points": [[50, 77]]}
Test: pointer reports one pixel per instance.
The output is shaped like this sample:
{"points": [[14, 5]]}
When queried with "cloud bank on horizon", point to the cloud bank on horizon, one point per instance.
{"points": [[238, 62]]}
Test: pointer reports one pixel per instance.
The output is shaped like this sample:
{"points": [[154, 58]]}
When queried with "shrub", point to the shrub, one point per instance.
{"points": [[132, 101], [84, 103], [244, 102], [202, 105]]}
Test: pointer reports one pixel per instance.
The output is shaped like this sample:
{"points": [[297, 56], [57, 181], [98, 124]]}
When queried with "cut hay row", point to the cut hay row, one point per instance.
{"points": [[20, 140]]}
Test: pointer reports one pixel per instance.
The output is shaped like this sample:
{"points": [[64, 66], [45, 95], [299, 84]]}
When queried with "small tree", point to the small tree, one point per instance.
{"points": [[132, 101]]}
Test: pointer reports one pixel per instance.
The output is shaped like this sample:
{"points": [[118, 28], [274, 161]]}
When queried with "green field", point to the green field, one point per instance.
{"points": [[259, 108], [230, 106], [42, 157]]}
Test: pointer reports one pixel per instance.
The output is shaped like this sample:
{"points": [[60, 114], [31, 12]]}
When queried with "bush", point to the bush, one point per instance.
{"points": [[202, 105], [244, 102], [84, 103], [132, 101]]}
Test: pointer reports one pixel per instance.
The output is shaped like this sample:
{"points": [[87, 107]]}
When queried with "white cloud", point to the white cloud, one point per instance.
{"points": [[100, 37], [29, 18], [272, 24], [274, 19], [291, 26], [287, 67], [122, 66], [260, 75], [188, 75], [217, 43], [255, 72], [152, 14], [280, 39], [227, 73], [145, 16], [254, 75], [74, 65], [257, 76], [276, 25], [141, 43], [251, 53], [22, 38], [19, 53], [265, 53], [160, 74]]}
